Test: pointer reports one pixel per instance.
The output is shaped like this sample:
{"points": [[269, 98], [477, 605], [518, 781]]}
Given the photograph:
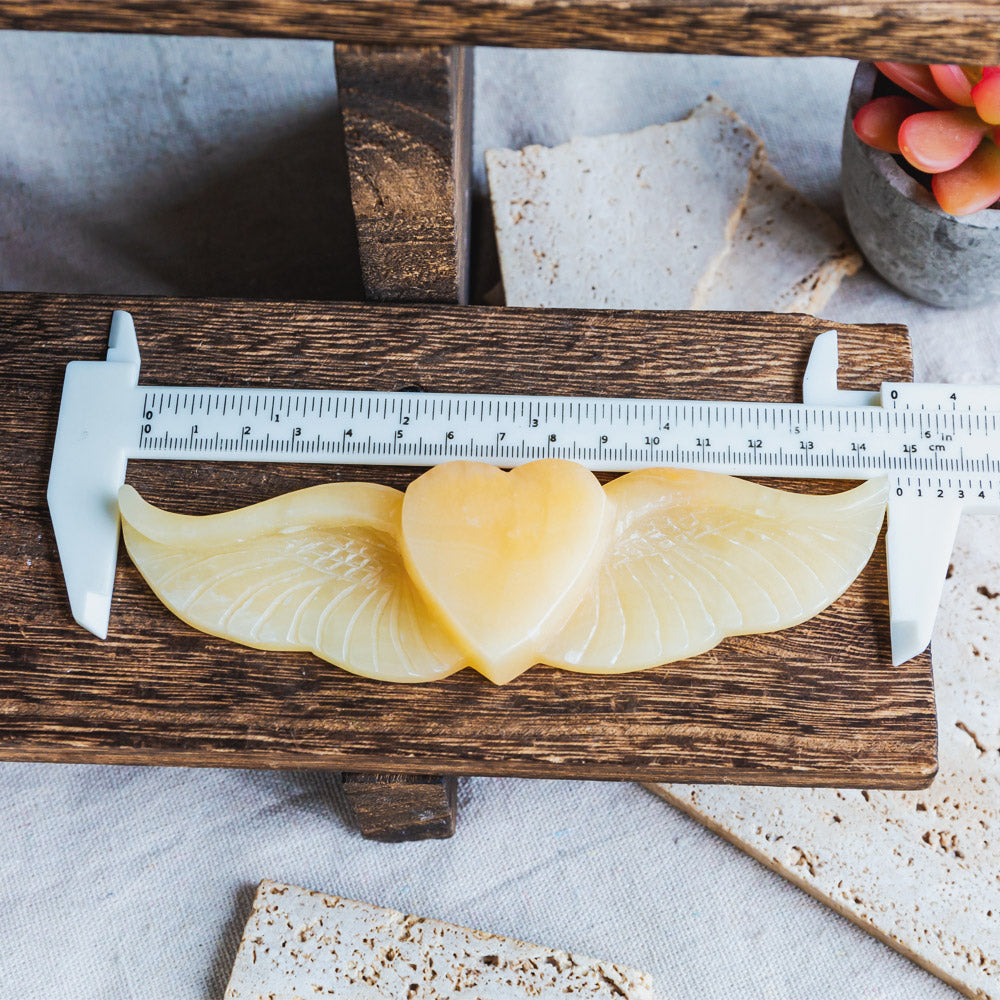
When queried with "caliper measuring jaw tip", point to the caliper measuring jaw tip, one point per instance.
{"points": [[819, 383], [918, 543], [88, 469]]}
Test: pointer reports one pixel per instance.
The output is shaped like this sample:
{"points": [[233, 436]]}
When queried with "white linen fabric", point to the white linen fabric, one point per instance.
{"points": [[207, 166]]}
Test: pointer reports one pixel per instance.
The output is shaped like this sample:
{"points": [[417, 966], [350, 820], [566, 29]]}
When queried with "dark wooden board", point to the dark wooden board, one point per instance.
{"points": [[407, 131], [913, 30], [818, 704]]}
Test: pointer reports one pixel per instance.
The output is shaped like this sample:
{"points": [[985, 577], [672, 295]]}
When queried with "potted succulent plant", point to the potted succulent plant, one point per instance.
{"points": [[921, 178]]}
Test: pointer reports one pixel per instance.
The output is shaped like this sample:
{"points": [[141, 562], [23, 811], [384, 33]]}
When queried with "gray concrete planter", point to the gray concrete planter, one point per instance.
{"points": [[906, 237]]}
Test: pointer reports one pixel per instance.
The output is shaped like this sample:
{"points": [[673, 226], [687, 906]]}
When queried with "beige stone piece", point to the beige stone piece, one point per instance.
{"points": [[616, 220], [787, 255], [920, 870], [300, 945], [634, 222]]}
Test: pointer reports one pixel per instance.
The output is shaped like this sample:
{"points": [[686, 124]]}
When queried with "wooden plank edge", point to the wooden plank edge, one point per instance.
{"points": [[407, 115], [462, 92], [936, 31], [919, 774], [401, 146]]}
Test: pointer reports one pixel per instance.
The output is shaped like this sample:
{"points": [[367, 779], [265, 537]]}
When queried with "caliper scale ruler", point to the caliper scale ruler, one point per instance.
{"points": [[934, 444], [923, 440]]}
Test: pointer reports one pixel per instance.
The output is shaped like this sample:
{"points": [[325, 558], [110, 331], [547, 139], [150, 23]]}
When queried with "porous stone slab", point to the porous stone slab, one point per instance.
{"points": [[687, 215], [301, 944], [920, 870], [600, 221], [787, 255]]}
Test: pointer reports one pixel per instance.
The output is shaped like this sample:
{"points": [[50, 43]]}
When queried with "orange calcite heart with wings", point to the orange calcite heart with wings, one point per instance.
{"points": [[497, 570], [504, 557]]}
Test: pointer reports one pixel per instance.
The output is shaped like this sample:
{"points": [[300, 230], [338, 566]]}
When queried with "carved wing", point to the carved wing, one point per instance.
{"points": [[696, 558], [317, 570]]}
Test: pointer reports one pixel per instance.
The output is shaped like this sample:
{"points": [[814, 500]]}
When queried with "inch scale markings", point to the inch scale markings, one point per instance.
{"points": [[938, 446]]}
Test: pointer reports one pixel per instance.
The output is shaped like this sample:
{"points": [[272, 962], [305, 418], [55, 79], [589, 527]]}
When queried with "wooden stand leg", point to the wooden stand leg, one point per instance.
{"points": [[395, 807], [407, 129]]}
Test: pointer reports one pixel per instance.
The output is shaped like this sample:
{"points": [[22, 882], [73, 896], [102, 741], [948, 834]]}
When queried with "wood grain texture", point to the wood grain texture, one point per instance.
{"points": [[395, 807], [914, 30], [407, 130], [818, 704]]}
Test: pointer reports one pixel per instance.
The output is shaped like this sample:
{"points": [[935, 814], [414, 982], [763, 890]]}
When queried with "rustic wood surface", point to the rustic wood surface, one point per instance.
{"points": [[407, 130], [395, 807], [817, 704], [914, 30]]}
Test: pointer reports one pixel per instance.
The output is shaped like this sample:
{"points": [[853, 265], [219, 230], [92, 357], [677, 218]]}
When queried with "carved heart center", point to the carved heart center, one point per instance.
{"points": [[504, 557]]}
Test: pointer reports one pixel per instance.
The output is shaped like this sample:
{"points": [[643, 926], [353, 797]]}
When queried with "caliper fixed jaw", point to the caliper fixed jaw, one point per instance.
{"points": [[88, 468]]}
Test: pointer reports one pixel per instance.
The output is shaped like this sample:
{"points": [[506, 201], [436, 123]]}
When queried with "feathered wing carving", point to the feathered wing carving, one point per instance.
{"points": [[317, 570], [697, 557], [681, 560]]}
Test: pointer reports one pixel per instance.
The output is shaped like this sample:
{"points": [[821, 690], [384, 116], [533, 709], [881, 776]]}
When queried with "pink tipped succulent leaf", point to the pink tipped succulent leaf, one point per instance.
{"points": [[973, 185], [877, 123], [986, 95], [916, 78], [953, 82], [935, 141]]}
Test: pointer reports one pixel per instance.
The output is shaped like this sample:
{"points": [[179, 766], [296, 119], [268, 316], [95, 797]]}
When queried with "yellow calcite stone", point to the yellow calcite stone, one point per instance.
{"points": [[499, 570], [316, 570], [697, 557]]}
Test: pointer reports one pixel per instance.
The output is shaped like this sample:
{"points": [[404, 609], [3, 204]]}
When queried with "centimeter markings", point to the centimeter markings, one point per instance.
{"points": [[942, 452]]}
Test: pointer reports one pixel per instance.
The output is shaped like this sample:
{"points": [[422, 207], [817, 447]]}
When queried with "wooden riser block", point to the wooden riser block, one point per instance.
{"points": [[907, 30], [394, 807], [407, 130], [817, 704]]}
